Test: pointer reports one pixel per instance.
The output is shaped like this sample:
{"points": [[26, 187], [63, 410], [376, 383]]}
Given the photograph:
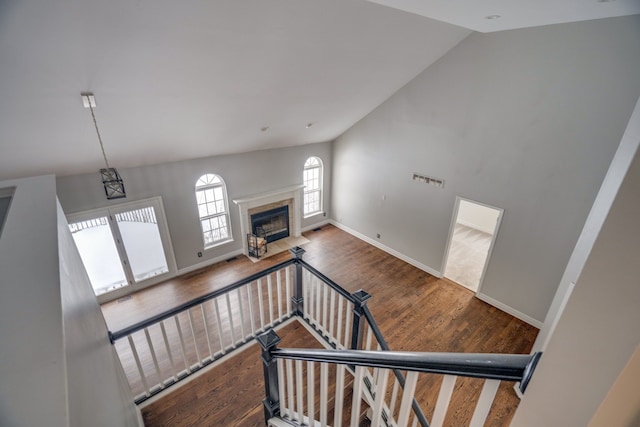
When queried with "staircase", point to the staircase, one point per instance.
{"points": [[355, 380]]}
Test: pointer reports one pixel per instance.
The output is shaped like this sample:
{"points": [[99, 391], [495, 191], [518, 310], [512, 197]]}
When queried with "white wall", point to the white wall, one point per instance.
{"points": [[598, 331], [621, 407], [32, 362], [56, 362], [599, 211], [527, 120], [477, 216], [99, 393], [244, 174]]}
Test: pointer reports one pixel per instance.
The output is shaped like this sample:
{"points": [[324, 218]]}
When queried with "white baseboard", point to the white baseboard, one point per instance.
{"points": [[316, 225], [209, 262], [387, 249], [515, 313], [237, 252]]}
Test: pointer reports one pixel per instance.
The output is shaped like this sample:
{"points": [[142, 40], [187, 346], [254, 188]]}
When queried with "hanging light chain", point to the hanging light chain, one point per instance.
{"points": [[95, 123]]}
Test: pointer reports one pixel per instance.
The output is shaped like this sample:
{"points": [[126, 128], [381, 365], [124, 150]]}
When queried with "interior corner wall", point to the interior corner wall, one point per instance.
{"points": [[525, 120], [98, 390], [244, 175], [32, 363], [597, 333]]}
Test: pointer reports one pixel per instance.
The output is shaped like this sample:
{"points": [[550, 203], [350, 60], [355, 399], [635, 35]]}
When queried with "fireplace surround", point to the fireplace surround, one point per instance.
{"points": [[289, 197]]}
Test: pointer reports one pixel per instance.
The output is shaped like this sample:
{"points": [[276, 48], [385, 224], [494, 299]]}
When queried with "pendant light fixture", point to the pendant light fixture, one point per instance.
{"points": [[112, 181]]}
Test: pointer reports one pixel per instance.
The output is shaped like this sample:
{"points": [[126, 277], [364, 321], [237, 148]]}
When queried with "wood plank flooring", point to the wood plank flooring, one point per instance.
{"points": [[415, 311]]}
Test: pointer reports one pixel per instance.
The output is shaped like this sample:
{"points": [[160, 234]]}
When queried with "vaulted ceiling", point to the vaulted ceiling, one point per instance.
{"points": [[178, 80]]}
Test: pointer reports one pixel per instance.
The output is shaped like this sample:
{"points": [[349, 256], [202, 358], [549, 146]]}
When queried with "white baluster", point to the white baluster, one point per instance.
{"points": [[339, 395], [311, 384], [446, 389], [279, 293], [332, 314], [206, 329], [251, 315], [325, 308], [260, 304], [230, 316], [394, 397], [182, 345], [270, 294], [299, 391], [357, 395], [139, 365], [347, 325], [284, 409], [193, 335], [407, 398], [241, 310], [324, 393], [378, 404], [289, 375], [339, 326], [489, 390], [223, 348], [168, 347], [287, 274], [153, 357]]}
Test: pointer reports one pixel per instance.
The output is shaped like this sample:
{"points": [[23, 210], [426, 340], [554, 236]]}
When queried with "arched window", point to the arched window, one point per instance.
{"points": [[312, 180], [213, 210]]}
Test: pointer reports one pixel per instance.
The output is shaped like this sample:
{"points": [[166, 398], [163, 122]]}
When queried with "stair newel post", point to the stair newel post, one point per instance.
{"points": [[269, 341], [297, 299], [357, 329]]}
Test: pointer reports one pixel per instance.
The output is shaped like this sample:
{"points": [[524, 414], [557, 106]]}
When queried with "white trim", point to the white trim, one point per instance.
{"points": [[293, 192], [163, 228], [494, 234], [209, 262], [516, 388], [268, 194], [316, 225], [387, 249], [512, 311]]}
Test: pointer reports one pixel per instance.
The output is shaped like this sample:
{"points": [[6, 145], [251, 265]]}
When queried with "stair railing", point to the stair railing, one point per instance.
{"points": [[199, 332], [291, 397], [345, 322]]}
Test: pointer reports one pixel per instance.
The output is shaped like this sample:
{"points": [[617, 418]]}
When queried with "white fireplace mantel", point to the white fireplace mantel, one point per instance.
{"points": [[249, 202]]}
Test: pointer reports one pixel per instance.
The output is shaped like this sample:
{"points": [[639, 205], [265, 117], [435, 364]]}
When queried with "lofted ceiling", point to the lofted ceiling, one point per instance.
{"points": [[179, 80], [498, 15]]}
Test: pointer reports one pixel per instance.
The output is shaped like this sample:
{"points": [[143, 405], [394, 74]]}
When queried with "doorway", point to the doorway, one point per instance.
{"points": [[124, 248], [471, 238]]}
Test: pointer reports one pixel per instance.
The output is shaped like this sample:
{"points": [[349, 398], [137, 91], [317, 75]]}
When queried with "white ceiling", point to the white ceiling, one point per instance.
{"points": [[177, 80], [510, 14]]}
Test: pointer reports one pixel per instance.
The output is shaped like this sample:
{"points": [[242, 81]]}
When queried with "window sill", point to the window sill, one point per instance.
{"points": [[311, 215], [217, 244]]}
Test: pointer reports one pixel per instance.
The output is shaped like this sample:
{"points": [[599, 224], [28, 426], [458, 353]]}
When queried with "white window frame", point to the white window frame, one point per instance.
{"points": [[308, 165], [163, 228], [206, 182]]}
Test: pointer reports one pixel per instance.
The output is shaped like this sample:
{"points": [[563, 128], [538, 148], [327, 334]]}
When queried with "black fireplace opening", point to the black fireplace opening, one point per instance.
{"points": [[274, 223]]}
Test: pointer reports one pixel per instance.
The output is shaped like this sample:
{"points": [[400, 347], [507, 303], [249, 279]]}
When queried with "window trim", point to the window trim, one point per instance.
{"points": [[226, 213], [319, 190]]}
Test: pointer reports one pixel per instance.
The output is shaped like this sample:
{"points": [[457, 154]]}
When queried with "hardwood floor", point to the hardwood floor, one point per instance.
{"points": [[415, 311]]}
